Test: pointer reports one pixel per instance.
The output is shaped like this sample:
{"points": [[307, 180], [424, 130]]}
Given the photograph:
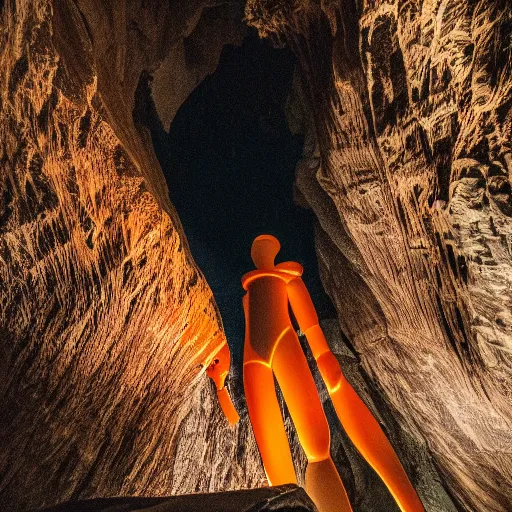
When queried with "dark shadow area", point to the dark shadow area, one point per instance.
{"points": [[286, 498], [229, 161]]}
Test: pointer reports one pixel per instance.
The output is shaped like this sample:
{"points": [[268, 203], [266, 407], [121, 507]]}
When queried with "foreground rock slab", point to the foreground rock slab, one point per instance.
{"points": [[285, 497]]}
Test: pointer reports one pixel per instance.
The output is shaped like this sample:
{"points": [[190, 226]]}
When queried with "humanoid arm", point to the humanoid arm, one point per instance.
{"points": [[306, 316], [218, 371]]}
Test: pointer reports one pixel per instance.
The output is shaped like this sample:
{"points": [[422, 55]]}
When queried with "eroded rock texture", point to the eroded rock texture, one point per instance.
{"points": [[365, 489], [105, 319], [408, 169]]}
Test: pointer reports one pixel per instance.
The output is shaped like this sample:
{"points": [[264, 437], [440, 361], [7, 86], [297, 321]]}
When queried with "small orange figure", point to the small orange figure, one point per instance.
{"points": [[272, 348], [218, 371]]}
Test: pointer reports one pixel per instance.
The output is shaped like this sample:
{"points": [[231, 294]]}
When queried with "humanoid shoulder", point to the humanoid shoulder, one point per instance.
{"points": [[290, 267], [286, 271]]}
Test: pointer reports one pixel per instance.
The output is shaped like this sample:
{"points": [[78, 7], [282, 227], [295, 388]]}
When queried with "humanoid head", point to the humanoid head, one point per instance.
{"points": [[264, 250]]}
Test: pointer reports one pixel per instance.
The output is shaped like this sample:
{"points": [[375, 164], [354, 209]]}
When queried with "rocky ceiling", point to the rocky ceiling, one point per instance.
{"points": [[105, 318]]}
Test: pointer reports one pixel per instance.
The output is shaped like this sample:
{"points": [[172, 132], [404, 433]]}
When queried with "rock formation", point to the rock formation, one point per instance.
{"points": [[407, 106], [284, 498], [105, 319]]}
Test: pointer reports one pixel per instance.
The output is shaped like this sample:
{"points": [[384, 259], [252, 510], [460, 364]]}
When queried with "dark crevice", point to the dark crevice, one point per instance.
{"points": [[229, 161], [84, 128], [402, 215], [443, 162], [387, 64], [451, 260], [425, 145], [47, 110], [18, 73], [462, 329], [463, 268], [448, 330]]}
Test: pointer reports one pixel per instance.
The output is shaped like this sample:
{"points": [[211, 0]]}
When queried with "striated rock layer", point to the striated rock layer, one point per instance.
{"points": [[408, 166], [105, 319]]}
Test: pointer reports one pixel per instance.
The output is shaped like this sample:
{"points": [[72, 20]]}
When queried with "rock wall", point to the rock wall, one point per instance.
{"points": [[407, 109], [106, 322]]}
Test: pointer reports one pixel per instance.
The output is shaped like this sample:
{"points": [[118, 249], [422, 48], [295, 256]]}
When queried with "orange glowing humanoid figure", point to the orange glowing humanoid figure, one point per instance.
{"points": [[272, 348]]}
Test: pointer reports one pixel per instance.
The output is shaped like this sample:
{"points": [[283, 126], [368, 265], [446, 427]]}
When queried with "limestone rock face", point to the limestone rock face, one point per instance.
{"points": [[365, 489], [106, 322], [407, 109]]}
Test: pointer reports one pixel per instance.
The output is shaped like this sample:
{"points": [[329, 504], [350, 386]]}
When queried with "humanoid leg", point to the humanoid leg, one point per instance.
{"points": [[323, 483], [267, 423], [366, 434]]}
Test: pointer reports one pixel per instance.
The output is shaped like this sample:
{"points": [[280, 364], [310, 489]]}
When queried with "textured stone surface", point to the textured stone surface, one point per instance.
{"points": [[105, 319], [286, 498], [195, 55], [408, 169]]}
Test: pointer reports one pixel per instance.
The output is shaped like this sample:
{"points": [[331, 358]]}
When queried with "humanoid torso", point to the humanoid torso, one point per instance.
{"points": [[266, 309]]}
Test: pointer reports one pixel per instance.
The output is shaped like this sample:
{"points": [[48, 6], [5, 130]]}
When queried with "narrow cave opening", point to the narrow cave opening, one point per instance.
{"points": [[229, 160]]}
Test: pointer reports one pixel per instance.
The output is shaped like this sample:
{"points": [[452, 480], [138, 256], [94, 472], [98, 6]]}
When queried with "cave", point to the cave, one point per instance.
{"points": [[229, 160], [143, 148]]}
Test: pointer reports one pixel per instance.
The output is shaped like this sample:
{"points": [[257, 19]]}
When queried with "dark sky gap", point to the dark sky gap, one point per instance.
{"points": [[229, 161]]}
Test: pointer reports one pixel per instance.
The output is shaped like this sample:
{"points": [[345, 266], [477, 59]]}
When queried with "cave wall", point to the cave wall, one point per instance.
{"points": [[106, 322], [407, 112]]}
